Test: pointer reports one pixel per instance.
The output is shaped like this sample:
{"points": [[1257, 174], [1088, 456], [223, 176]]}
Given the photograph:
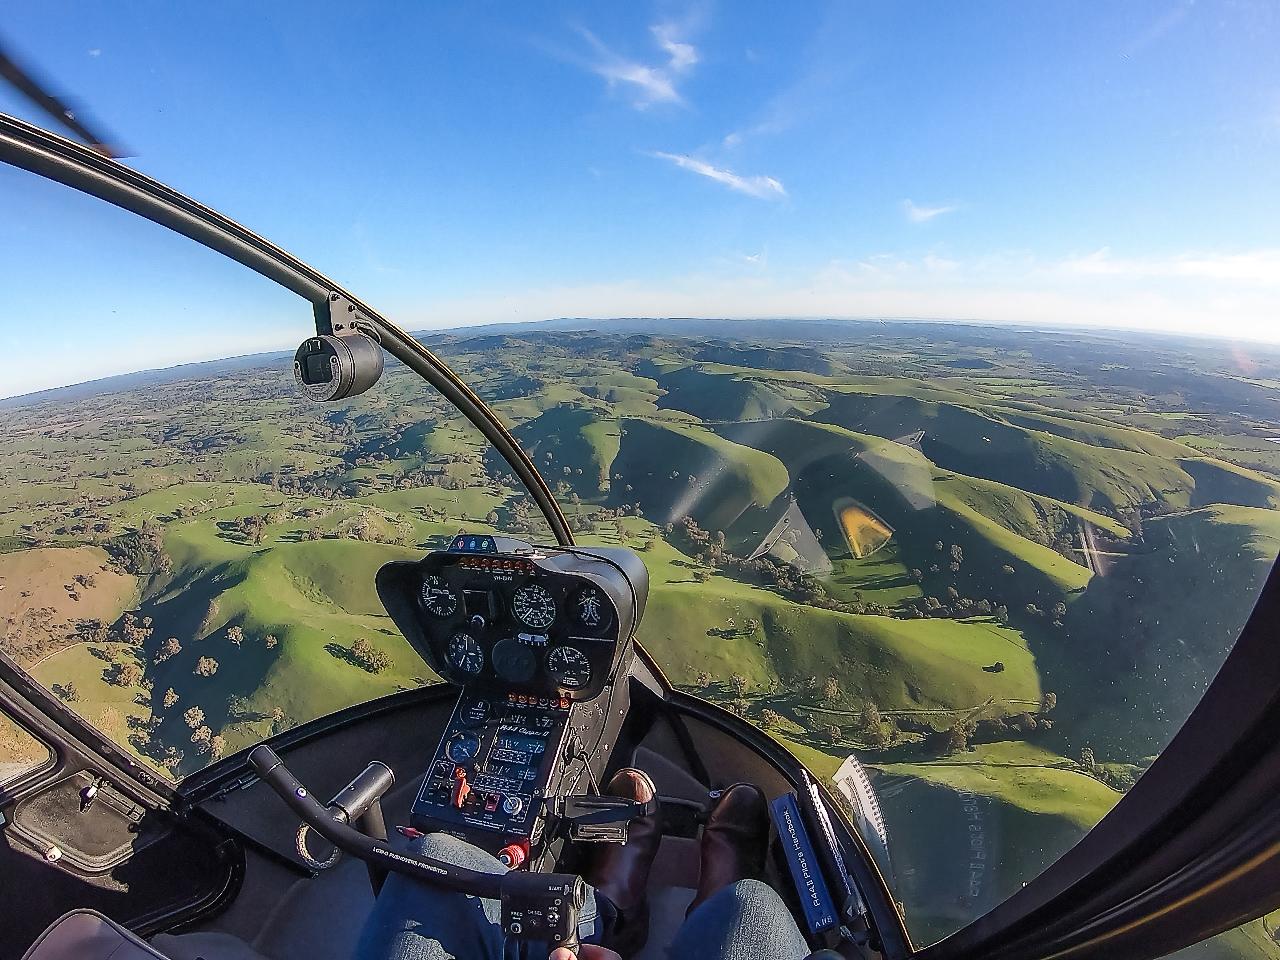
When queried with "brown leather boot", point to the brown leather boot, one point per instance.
{"points": [[620, 871], [733, 841]]}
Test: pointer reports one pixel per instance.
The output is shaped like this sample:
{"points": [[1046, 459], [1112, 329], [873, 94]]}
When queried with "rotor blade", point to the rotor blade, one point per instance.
{"points": [[22, 81]]}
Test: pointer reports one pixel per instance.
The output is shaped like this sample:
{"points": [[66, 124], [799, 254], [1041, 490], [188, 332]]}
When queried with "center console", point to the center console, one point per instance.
{"points": [[536, 638], [499, 759]]}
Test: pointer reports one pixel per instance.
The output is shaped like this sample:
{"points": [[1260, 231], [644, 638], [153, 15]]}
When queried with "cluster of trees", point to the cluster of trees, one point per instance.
{"points": [[253, 527], [33, 635], [956, 607], [140, 552], [80, 582], [1055, 614], [127, 674], [202, 734], [765, 570], [364, 529], [370, 657], [1117, 778]]}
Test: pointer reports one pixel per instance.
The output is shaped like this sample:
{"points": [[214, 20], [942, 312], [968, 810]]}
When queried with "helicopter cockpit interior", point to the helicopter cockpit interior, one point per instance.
{"points": [[830, 623]]}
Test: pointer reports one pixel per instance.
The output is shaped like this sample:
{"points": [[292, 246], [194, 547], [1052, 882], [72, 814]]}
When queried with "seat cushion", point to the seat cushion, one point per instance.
{"points": [[88, 935], [204, 945]]}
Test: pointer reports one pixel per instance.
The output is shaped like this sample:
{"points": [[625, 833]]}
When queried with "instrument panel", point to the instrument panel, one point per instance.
{"points": [[549, 621]]}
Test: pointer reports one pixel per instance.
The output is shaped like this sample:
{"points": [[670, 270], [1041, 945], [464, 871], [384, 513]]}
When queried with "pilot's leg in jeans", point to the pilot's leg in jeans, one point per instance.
{"points": [[744, 921], [412, 920]]}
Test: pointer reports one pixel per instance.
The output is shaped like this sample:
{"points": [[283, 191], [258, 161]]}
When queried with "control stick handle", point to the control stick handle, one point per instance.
{"points": [[331, 824], [536, 907]]}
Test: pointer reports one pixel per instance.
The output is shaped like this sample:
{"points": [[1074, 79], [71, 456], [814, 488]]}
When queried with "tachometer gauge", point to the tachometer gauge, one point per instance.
{"points": [[437, 597], [569, 667], [534, 606], [465, 654]]}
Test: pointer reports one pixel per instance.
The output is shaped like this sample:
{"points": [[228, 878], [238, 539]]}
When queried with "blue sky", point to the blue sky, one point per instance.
{"points": [[1045, 163]]}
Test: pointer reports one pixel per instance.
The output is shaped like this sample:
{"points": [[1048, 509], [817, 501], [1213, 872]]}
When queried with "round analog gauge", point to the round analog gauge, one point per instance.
{"points": [[569, 667], [465, 654], [463, 748], [591, 608], [514, 661], [437, 597], [534, 606]]}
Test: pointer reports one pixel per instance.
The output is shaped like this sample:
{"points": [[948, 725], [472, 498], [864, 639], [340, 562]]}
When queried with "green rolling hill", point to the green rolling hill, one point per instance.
{"points": [[573, 437], [676, 470], [1154, 631], [716, 397], [958, 438]]}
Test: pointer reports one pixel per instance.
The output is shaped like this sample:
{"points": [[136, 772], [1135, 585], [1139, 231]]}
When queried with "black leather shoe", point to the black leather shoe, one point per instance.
{"points": [[733, 841], [620, 871]]}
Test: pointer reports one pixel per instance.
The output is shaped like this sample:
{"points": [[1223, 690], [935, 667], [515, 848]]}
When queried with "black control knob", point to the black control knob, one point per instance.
{"points": [[478, 623]]}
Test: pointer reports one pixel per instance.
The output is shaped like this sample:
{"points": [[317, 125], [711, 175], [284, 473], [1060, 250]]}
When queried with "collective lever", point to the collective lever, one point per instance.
{"points": [[461, 789]]}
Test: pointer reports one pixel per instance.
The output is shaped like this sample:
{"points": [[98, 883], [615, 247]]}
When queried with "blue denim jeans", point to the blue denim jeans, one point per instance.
{"points": [[415, 921]]}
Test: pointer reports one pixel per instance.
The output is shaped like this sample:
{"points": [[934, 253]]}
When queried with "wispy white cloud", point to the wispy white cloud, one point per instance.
{"points": [[681, 54], [766, 188], [647, 83], [918, 213]]}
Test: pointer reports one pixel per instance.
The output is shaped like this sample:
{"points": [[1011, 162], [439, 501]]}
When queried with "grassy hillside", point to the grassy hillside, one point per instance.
{"points": [[896, 663], [1065, 469], [829, 464], [43, 582], [1094, 431], [1221, 482], [574, 438], [677, 470], [1007, 802], [1156, 629], [716, 398], [1018, 448]]}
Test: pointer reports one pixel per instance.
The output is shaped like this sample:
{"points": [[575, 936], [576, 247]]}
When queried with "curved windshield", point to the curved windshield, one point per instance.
{"points": [[925, 354], [187, 554]]}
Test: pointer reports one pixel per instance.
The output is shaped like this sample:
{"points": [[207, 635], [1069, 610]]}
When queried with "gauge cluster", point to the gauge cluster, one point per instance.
{"points": [[501, 612]]}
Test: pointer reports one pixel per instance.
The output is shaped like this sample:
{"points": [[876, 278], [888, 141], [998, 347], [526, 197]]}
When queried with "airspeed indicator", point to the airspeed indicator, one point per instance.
{"points": [[437, 597]]}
